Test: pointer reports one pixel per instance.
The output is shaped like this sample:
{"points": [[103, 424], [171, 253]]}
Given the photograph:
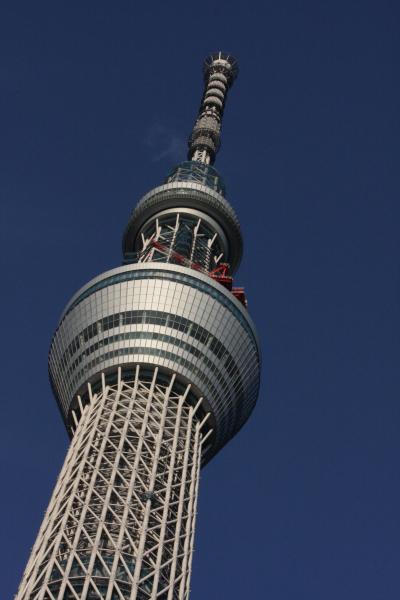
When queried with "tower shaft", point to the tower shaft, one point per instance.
{"points": [[155, 366], [120, 523]]}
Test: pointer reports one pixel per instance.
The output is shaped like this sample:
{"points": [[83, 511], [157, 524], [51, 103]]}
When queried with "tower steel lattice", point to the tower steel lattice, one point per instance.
{"points": [[155, 366]]}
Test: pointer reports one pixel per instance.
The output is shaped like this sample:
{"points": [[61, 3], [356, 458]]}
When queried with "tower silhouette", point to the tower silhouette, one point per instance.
{"points": [[155, 366]]}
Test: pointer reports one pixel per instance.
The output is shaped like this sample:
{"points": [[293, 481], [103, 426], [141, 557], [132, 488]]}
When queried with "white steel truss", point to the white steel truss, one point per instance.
{"points": [[120, 523], [183, 240]]}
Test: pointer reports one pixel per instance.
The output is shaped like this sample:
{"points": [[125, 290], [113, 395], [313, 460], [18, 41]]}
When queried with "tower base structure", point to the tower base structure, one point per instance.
{"points": [[120, 523]]}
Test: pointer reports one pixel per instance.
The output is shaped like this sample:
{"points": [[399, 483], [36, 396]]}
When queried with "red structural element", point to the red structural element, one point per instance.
{"points": [[222, 269], [179, 258], [220, 273], [239, 293]]}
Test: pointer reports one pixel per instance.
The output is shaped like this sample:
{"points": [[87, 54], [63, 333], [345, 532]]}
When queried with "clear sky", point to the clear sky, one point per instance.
{"points": [[96, 102]]}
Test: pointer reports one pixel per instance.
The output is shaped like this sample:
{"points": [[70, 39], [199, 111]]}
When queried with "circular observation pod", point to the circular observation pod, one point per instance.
{"points": [[167, 316], [190, 195]]}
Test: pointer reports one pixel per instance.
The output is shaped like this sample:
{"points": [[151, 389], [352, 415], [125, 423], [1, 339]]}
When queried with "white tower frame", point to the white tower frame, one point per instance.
{"points": [[121, 520]]}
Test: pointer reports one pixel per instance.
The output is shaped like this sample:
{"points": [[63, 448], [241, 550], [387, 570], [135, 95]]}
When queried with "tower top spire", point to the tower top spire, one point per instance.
{"points": [[220, 71]]}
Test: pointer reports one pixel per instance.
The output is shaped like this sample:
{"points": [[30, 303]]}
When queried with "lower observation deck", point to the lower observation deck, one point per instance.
{"points": [[160, 315]]}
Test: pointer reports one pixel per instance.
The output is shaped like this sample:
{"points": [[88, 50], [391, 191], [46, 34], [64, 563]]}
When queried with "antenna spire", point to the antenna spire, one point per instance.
{"points": [[220, 71]]}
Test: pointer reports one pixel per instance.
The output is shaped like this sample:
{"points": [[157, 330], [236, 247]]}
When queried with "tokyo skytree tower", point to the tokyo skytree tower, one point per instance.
{"points": [[155, 366]]}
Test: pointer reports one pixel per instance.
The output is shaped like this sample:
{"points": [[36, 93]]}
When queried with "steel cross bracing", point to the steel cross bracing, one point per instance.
{"points": [[121, 520], [183, 240]]}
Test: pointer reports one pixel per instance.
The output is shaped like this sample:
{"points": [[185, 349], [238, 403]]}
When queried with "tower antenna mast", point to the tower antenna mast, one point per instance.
{"points": [[220, 71]]}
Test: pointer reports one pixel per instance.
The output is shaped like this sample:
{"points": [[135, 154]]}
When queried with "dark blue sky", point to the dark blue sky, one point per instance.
{"points": [[96, 102]]}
